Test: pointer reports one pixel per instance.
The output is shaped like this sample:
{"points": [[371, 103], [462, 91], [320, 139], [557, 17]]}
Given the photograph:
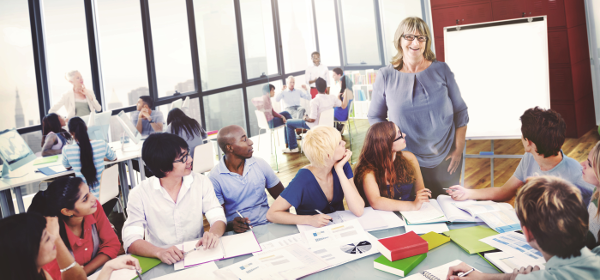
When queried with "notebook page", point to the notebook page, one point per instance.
{"points": [[200, 255], [440, 272], [239, 244], [452, 212]]}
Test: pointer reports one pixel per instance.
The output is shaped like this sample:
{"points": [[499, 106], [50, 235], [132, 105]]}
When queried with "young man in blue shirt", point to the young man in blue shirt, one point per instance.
{"points": [[554, 221], [543, 136], [240, 180]]}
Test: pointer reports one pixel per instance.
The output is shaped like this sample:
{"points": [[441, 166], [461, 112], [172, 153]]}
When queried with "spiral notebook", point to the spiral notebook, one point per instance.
{"points": [[436, 273]]}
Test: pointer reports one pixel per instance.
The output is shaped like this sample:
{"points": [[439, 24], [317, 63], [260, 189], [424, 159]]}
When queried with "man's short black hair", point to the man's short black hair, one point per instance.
{"points": [[160, 150], [271, 87], [321, 85], [148, 100]]}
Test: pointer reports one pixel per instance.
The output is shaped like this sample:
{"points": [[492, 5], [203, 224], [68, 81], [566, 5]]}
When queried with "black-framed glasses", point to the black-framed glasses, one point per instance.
{"points": [[411, 37], [399, 137], [184, 158]]}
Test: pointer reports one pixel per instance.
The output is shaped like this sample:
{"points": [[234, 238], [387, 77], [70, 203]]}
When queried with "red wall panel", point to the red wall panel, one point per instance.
{"points": [[578, 44], [582, 80], [575, 12], [585, 115], [508, 9], [561, 85], [444, 17], [558, 46], [476, 13]]}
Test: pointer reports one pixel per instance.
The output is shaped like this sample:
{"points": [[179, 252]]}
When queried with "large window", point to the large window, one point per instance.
{"points": [[360, 32], [171, 42], [327, 32], [297, 33], [18, 90], [66, 46], [392, 13], [223, 109], [218, 50], [123, 59], [259, 38]]}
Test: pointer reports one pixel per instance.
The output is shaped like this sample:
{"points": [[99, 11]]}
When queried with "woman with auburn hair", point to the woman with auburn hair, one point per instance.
{"points": [[591, 174], [385, 175], [420, 94]]}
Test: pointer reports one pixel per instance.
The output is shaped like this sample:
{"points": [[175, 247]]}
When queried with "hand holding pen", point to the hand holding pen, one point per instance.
{"points": [[319, 220], [241, 224]]}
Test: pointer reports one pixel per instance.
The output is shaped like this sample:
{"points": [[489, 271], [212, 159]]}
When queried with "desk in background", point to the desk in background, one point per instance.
{"points": [[358, 269]]}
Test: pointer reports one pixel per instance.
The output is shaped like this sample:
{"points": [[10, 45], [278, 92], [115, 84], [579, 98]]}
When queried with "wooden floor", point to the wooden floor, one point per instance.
{"points": [[477, 171]]}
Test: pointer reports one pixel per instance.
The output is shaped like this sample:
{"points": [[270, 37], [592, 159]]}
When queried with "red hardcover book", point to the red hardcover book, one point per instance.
{"points": [[402, 246]]}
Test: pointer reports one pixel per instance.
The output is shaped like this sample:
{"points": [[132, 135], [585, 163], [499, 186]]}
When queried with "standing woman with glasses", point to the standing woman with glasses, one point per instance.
{"points": [[387, 177], [87, 158], [54, 136], [420, 95]]}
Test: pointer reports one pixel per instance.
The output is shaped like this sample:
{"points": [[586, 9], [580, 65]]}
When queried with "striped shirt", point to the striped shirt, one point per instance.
{"points": [[71, 158]]}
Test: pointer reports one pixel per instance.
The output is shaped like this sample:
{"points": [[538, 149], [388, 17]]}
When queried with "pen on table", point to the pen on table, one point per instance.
{"points": [[463, 274], [138, 274], [323, 214], [238, 212]]}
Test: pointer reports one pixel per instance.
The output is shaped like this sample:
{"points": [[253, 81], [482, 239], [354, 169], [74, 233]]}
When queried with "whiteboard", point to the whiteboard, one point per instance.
{"points": [[501, 68]]}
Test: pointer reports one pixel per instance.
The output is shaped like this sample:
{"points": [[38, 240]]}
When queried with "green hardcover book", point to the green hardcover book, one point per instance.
{"points": [[400, 267], [468, 238], [146, 263]]}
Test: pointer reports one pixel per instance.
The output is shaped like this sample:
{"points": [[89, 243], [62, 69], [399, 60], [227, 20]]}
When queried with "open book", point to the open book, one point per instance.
{"points": [[501, 217], [430, 212], [229, 246], [370, 220]]}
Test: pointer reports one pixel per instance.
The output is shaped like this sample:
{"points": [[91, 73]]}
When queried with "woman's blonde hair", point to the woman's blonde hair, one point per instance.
{"points": [[320, 142], [69, 75], [596, 167], [411, 24]]}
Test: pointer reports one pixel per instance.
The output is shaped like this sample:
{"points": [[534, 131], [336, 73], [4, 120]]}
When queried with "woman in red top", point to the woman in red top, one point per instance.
{"points": [[86, 232]]}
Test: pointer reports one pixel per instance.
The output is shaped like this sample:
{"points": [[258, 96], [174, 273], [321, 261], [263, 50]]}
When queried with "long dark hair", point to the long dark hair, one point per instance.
{"points": [[62, 193], [179, 121], [340, 72], [20, 238], [51, 123], [78, 128], [376, 157]]}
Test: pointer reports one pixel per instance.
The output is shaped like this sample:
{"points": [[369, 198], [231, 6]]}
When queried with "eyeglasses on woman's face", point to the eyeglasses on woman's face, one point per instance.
{"points": [[411, 37], [184, 158], [399, 137]]}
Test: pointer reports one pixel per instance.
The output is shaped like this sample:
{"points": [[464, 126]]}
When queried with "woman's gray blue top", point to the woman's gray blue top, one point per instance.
{"points": [[427, 106]]}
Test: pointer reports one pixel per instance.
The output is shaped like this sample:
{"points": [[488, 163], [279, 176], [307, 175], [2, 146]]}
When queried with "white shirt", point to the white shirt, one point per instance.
{"points": [[152, 212], [322, 102], [68, 100], [313, 72]]}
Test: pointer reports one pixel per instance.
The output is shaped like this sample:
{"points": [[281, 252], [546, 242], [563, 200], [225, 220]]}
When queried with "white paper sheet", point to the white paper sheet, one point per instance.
{"points": [[205, 270], [283, 242], [440, 272], [508, 262], [57, 168], [370, 220], [515, 244], [229, 246], [453, 213], [338, 233], [123, 274]]}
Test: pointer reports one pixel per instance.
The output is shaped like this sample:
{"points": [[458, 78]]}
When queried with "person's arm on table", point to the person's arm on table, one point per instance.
{"points": [[504, 193], [279, 213], [463, 267], [378, 110], [122, 262], [214, 214], [355, 202]]}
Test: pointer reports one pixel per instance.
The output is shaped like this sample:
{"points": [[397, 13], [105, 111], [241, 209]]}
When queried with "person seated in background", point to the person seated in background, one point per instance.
{"points": [[321, 103], [84, 227], [145, 119], [167, 209], [591, 174], [386, 176], [78, 101], [263, 104], [554, 221], [30, 242], [240, 180], [291, 98], [320, 187], [340, 114], [188, 129], [86, 157], [54, 136], [543, 136]]}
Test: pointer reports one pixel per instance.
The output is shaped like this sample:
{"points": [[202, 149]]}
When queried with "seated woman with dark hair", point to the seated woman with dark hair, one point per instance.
{"points": [[87, 157], [86, 232], [386, 176], [54, 136], [188, 129], [320, 187], [29, 241]]}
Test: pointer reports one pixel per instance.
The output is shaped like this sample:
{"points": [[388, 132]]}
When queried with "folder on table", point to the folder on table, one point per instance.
{"points": [[468, 238]]}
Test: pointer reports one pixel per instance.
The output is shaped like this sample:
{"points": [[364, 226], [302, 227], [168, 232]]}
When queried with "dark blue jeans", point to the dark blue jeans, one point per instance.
{"points": [[275, 122]]}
